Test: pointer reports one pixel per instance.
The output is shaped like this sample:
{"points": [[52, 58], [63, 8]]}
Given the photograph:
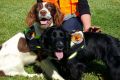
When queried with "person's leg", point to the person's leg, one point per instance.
{"points": [[72, 24]]}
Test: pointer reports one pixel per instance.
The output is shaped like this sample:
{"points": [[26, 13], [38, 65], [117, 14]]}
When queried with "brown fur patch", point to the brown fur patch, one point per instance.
{"points": [[2, 73], [22, 45]]}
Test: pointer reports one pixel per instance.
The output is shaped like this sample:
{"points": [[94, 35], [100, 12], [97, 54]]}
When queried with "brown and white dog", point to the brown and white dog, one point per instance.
{"points": [[14, 55], [46, 14]]}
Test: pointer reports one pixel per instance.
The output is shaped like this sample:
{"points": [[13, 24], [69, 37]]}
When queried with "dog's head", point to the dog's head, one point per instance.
{"points": [[46, 14], [59, 42], [56, 42]]}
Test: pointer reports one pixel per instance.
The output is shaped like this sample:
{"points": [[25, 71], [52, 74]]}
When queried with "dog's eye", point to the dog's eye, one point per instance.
{"points": [[39, 6], [49, 7], [61, 34]]}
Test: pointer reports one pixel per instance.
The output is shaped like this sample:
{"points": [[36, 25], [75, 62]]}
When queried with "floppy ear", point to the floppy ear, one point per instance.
{"points": [[32, 15], [58, 17], [68, 40]]}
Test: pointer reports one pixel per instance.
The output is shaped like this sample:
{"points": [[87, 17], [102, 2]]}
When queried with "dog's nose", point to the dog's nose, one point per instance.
{"points": [[43, 12], [59, 45]]}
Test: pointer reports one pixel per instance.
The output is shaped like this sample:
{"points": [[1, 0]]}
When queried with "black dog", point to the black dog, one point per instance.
{"points": [[97, 46]]}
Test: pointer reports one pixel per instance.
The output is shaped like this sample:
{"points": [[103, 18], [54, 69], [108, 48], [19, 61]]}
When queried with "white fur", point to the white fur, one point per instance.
{"points": [[48, 14], [50, 70], [12, 61]]}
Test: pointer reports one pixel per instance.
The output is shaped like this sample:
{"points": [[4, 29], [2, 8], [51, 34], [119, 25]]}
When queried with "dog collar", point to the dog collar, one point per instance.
{"points": [[77, 43], [75, 53], [72, 55], [33, 37]]}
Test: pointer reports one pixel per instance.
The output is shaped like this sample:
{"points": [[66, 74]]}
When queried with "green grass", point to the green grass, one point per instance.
{"points": [[105, 13]]}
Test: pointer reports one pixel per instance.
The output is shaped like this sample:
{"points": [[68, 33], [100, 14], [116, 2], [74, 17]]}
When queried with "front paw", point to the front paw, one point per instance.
{"points": [[56, 76], [77, 70]]}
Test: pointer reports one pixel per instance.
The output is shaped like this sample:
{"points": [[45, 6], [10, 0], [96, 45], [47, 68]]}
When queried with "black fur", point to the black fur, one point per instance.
{"points": [[97, 46]]}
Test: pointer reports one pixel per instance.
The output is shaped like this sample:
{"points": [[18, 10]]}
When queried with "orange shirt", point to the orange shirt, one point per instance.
{"points": [[66, 6]]}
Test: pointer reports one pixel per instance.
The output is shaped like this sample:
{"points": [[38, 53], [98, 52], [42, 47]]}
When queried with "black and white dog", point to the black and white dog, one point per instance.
{"points": [[70, 59]]}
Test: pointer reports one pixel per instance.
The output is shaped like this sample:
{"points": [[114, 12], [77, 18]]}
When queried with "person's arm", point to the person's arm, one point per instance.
{"points": [[86, 20], [85, 15]]}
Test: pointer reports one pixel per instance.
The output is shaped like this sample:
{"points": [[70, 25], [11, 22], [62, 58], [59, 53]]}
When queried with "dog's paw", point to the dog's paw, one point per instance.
{"points": [[25, 74], [95, 29], [56, 76]]}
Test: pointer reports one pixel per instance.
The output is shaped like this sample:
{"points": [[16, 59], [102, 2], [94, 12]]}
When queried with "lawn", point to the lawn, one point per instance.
{"points": [[105, 13]]}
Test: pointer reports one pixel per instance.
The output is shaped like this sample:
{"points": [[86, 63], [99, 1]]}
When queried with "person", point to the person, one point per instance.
{"points": [[77, 14]]}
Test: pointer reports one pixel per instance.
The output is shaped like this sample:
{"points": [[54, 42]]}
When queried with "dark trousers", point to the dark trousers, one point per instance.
{"points": [[72, 24]]}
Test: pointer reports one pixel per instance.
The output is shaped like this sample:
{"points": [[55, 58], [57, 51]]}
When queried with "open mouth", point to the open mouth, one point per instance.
{"points": [[59, 55], [45, 21]]}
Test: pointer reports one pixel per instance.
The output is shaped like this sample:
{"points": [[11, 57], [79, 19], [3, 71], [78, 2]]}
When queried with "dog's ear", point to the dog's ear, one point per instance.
{"points": [[32, 15], [68, 39], [43, 39], [58, 17]]}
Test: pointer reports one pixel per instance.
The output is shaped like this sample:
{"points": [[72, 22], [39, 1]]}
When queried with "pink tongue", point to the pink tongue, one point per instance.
{"points": [[59, 55], [43, 22]]}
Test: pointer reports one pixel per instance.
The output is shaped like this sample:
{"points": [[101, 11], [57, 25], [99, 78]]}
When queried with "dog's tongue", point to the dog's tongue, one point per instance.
{"points": [[44, 22], [59, 55]]}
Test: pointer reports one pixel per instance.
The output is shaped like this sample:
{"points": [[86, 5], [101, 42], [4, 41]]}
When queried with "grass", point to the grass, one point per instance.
{"points": [[105, 13]]}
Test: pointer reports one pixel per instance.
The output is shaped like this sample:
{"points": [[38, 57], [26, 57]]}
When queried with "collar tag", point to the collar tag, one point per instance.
{"points": [[77, 37]]}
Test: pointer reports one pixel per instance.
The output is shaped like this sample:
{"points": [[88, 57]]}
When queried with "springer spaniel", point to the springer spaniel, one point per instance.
{"points": [[46, 14], [14, 54]]}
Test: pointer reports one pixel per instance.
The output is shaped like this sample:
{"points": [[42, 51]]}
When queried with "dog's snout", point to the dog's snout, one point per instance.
{"points": [[59, 45], [43, 12]]}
